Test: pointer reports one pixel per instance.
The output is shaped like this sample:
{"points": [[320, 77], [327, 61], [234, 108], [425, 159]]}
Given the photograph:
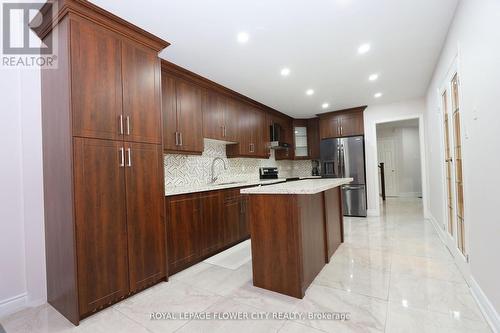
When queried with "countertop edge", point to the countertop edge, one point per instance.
{"points": [[328, 184]]}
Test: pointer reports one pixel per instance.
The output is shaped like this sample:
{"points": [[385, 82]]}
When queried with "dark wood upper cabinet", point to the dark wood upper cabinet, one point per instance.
{"points": [[96, 81], [189, 116], [183, 230], [182, 106], [141, 93], [342, 123], [214, 106], [286, 137], [145, 213], [313, 138], [101, 223], [169, 111]]}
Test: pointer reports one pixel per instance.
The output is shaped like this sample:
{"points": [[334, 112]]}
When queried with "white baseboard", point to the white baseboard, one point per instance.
{"points": [[13, 304], [483, 302], [485, 305]]}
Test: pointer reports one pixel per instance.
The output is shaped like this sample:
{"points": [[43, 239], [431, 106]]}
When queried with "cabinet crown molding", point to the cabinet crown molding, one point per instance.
{"points": [[343, 111], [89, 11]]}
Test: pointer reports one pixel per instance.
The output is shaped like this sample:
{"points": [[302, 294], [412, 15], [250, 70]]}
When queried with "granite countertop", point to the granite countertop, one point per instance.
{"points": [[306, 186], [175, 190]]}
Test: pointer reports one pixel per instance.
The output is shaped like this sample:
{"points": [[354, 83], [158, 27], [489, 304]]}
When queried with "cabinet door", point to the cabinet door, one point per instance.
{"points": [[183, 218], [329, 127], [96, 82], [231, 114], [352, 124], [213, 115], [145, 213], [313, 138], [141, 93], [169, 110], [260, 137], [211, 225], [101, 229], [189, 116], [244, 226], [232, 214]]}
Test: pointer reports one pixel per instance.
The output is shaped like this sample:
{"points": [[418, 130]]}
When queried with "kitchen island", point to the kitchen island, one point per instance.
{"points": [[295, 228]]}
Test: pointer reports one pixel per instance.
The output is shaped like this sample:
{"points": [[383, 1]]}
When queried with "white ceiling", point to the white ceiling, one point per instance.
{"points": [[316, 39]]}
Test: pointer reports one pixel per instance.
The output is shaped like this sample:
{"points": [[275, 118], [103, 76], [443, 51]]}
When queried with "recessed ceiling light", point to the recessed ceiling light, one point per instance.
{"points": [[377, 95], [373, 77], [285, 71], [364, 48], [325, 105], [309, 92], [243, 37]]}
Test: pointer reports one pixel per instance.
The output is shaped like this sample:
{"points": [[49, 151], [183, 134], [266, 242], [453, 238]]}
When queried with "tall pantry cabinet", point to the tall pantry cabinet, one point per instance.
{"points": [[103, 160]]}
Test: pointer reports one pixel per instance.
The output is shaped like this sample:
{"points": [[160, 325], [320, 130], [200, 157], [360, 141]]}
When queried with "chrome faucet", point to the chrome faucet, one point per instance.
{"points": [[213, 178]]}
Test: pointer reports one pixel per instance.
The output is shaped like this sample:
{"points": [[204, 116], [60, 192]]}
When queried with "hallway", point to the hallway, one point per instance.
{"points": [[393, 274]]}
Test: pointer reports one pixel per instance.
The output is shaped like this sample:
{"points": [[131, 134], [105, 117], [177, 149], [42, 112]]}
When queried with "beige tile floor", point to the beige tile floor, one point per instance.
{"points": [[392, 274]]}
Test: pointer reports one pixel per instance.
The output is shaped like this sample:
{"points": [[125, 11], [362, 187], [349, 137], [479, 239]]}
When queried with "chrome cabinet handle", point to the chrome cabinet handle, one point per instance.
{"points": [[122, 157], [180, 139], [225, 131], [222, 129], [121, 124], [129, 153], [176, 139], [128, 125]]}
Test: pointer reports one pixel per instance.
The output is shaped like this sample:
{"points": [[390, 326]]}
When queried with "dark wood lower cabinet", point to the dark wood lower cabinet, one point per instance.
{"points": [[101, 223], [200, 225], [145, 214], [334, 221], [183, 216], [211, 228]]}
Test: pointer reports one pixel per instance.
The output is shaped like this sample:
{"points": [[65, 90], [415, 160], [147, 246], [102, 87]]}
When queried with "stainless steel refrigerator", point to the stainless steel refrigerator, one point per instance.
{"points": [[345, 158]]}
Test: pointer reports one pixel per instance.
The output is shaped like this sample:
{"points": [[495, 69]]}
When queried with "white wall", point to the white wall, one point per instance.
{"points": [[22, 249], [383, 113], [475, 36], [407, 155]]}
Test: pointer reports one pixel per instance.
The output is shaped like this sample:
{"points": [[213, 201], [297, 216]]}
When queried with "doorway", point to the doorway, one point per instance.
{"points": [[398, 150]]}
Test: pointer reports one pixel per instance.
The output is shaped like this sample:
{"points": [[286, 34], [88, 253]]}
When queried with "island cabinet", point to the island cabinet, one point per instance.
{"points": [[200, 225], [220, 116], [182, 115], [103, 160], [295, 228], [253, 133], [342, 123]]}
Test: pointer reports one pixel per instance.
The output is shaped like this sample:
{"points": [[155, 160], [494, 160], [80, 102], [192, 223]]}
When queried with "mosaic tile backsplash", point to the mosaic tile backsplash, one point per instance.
{"points": [[189, 170]]}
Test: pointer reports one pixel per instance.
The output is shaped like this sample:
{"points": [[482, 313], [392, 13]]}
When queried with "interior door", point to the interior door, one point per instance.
{"points": [[386, 154], [101, 226], [96, 82], [145, 213], [141, 93], [189, 116]]}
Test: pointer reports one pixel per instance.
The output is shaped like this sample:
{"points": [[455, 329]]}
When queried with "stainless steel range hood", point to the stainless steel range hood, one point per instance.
{"points": [[276, 133]]}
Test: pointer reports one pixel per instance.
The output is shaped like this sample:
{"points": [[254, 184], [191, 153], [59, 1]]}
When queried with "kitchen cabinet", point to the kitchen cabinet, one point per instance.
{"points": [[101, 223], [183, 220], [182, 115], [125, 102], [145, 213], [342, 123], [253, 137], [300, 139], [103, 161], [141, 93], [200, 225], [287, 136], [220, 117], [313, 140], [211, 224]]}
